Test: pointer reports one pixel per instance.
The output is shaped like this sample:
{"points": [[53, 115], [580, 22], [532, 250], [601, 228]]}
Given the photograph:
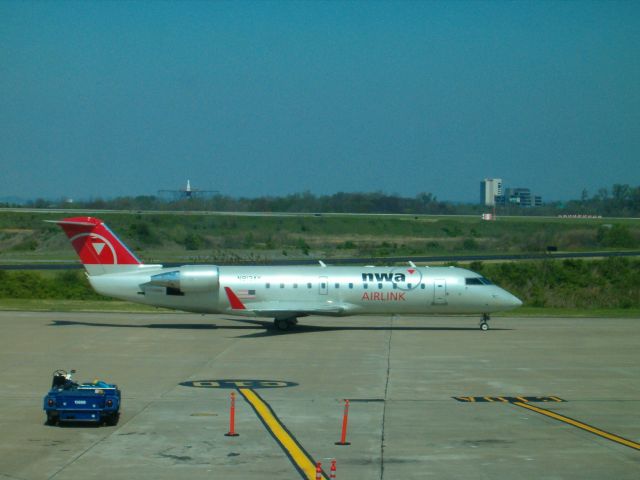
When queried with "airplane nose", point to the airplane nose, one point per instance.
{"points": [[516, 301], [511, 301], [506, 300]]}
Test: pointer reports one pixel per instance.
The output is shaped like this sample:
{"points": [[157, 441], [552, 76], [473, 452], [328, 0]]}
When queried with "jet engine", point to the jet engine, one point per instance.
{"points": [[189, 279]]}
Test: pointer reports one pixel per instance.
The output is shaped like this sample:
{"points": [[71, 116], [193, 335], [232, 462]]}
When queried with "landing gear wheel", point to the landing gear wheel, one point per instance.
{"points": [[281, 324], [284, 324], [484, 326]]}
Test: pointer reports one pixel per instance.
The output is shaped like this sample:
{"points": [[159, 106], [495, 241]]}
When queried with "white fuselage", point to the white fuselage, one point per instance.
{"points": [[317, 290]]}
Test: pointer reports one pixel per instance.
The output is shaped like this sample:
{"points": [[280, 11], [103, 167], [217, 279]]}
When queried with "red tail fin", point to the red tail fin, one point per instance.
{"points": [[95, 243]]}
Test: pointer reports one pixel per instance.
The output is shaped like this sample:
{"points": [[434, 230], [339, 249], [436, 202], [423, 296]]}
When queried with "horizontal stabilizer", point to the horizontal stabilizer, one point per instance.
{"points": [[69, 222]]}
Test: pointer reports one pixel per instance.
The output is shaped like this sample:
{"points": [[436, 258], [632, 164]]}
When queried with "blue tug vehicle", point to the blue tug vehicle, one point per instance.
{"points": [[68, 401]]}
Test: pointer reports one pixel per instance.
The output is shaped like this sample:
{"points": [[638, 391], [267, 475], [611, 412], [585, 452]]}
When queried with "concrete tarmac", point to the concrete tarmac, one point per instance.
{"points": [[401, 375]]}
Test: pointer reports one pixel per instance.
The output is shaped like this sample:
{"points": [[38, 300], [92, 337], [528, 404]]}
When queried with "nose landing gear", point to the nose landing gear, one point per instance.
{"points": [[484, 322]]}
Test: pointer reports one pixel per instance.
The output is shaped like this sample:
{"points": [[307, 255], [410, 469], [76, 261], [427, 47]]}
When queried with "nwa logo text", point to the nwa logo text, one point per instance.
{"points": [[394, 277], [400, 278]]}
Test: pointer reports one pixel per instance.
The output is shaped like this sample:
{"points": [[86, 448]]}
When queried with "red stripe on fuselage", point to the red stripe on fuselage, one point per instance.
{"points": [[235, 302]]}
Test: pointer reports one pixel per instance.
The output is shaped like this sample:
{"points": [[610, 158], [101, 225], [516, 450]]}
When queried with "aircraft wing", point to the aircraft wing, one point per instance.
{"points": [[282, 309]]}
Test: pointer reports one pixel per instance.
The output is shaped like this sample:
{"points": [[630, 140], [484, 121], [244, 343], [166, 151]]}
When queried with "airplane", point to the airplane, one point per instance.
{"points": [[188, 192], [283, 293]]}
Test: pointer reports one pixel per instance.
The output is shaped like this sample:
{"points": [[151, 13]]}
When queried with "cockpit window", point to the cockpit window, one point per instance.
{"points": [[477, 281]]}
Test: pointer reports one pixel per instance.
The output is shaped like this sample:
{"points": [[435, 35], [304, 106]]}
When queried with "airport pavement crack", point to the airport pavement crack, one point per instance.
{"points": [[386, 388], [80, 455], [5, 476]]}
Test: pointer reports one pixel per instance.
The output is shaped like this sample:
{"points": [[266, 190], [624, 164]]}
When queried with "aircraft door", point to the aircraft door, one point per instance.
{"points": [[323, 285], [440, 291]]}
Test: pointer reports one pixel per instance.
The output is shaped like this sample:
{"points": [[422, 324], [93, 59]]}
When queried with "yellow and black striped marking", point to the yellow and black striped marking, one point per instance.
{"points": [[508, 399], [525, 402], [581, 425], [302, 461]]}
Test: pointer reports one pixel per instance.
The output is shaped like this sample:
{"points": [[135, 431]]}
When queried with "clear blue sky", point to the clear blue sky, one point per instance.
{"points": [[269, 98]]}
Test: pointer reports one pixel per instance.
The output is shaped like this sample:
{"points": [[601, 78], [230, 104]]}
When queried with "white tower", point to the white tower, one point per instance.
{"points": [[490, 188]]}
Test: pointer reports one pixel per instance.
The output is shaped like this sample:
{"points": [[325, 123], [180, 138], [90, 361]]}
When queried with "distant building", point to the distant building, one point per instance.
{"points": [[490, 188], [523, 197], [492, 193]]}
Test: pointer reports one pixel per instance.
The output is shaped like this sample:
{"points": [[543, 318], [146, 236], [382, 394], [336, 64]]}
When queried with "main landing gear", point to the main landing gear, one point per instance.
{"points": [[284, 324], [484, 325]]}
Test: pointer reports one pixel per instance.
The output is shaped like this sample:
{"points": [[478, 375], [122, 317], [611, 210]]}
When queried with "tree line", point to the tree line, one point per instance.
{"points": [[621, 200]]}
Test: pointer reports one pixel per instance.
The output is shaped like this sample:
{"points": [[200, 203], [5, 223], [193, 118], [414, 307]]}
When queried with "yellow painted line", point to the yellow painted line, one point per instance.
{"points": [[583, 426], [303, 462]]}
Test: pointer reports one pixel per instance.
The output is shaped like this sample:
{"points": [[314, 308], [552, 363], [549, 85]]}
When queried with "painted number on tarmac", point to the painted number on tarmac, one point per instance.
{"points": [[227, 383]]}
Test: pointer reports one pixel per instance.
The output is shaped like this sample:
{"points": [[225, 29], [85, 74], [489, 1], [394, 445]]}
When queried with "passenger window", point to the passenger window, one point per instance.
{"points": [[379, 286], [295, 285], [268, 285], [308, 285], [365, 286], [395, 286], [422, 286], [351, 285], [337, 285], [282, 285]]}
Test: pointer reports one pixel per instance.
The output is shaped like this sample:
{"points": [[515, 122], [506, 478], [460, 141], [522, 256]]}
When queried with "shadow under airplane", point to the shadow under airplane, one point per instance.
{"points": [[267, 325]]}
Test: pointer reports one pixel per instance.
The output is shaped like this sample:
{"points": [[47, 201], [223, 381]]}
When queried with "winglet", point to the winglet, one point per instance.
{"points": [[235, 302]]}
